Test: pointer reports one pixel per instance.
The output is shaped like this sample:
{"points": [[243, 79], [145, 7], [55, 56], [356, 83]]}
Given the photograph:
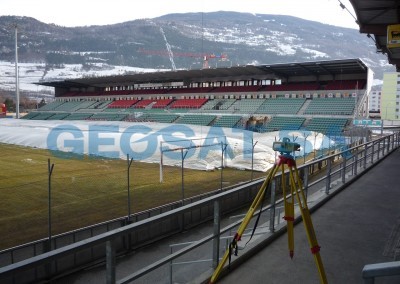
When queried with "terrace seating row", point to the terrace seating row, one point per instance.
{"points": [[59, 116], [95, 105], [188, 103], [281, 106], [284, 123], [153, 117], [334, 106], [225, 104], [78, 116], [196, 119], [164, 118], [162, 103], [122, 103], [51, 106], [30, 115], [211, 104], [327, 125], [218, 104], [249, 106], [108, 116], [227, 121], [85, 104], [39, 115], [70, 106], [42, 116]]}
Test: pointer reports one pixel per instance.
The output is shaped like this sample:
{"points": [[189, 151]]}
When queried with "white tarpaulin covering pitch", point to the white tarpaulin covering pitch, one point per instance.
{"points": [[200, 147]]}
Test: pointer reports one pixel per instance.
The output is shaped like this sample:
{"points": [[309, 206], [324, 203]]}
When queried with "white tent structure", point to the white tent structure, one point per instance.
{"points": [[201, 147]]}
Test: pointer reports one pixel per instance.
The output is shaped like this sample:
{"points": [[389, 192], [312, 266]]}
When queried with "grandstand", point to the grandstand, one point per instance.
{"points": [[318, 96]]}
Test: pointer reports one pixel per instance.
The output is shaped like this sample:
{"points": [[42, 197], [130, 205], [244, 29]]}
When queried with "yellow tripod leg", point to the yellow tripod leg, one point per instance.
{"points": [[289, 213], [289, 217], [308, 225], [312, 239], [246, 220]]}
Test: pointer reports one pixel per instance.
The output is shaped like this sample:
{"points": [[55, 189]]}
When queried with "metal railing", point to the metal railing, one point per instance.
{"points": [[384, 269], [334, 171]]}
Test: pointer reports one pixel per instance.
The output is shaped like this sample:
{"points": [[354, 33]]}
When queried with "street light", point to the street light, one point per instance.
{"points": [[252, 157], [129, 191]]}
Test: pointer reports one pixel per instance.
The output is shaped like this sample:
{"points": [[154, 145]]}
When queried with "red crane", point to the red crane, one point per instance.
{"points": [[205, 56]]}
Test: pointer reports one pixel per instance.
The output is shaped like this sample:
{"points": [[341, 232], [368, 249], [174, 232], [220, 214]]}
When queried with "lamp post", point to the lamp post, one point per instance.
{"points": [[129, 191], [252, 157], [50, 168], [16, 74], [305, 141], [183, 156]]}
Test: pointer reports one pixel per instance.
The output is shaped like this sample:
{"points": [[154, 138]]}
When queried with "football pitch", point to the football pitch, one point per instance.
{"points": [[87, 190]]}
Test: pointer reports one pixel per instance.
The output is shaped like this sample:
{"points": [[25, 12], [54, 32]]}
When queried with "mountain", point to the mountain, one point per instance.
{"points": [[242, 38]]}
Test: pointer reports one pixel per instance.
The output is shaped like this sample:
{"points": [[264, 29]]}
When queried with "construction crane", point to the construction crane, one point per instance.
{"points": [[205, 56]]}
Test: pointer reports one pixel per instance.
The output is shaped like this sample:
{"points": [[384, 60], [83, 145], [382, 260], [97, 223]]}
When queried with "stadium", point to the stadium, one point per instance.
{"points": [[237, 106], [208, 120], [196, 176]]}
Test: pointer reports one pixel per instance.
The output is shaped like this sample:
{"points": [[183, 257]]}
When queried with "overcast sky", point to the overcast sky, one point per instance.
{"points": [[73, 13]]}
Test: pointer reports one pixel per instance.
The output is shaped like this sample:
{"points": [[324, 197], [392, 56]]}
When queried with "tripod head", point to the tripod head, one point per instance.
{"points": [[285, 147]]}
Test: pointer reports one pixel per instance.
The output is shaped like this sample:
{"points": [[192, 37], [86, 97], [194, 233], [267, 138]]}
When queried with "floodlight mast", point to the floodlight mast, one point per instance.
{"points": [[16, 73]]}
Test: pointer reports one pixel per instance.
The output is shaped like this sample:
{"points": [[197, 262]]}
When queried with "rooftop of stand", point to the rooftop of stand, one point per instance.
{"points": [[283, 71]]}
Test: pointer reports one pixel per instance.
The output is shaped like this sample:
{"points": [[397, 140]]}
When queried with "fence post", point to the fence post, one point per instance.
{"points": [[355, 162], [388, 145], [392, 141], [344, 169], [110, 262], [217, 227], [379, 148], [161, 163], [372, 152], [252, 158], [328, 175], [397, 139], [273, 207], [305, 181], [365, 155], [223, 148]]}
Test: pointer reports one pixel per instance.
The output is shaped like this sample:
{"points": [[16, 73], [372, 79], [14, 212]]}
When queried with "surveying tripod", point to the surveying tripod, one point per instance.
{"points": [[296, 189]]}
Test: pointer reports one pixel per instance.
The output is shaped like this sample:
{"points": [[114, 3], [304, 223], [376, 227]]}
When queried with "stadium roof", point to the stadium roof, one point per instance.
{"points": [[284, 70], [373, 17]]}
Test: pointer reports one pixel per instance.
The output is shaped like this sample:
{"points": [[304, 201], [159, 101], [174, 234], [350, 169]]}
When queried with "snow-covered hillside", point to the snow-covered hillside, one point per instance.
{"points": [[32, 73]]}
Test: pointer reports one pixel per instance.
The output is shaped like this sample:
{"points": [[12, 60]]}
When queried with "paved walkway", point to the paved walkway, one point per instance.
{"points": [[358, 226]]}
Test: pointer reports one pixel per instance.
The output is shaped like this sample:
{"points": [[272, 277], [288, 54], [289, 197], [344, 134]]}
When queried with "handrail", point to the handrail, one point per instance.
{"points": [[371, 271]]}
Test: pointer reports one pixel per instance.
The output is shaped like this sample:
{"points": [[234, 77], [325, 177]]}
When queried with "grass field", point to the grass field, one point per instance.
{"points": [[85, 191]]}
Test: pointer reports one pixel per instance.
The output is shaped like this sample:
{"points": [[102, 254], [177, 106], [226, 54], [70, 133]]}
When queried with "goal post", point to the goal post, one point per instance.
{"points": [[188, 145]]}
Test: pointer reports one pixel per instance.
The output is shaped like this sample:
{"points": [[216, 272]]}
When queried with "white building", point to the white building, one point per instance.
{"points": [[374, 106]]}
